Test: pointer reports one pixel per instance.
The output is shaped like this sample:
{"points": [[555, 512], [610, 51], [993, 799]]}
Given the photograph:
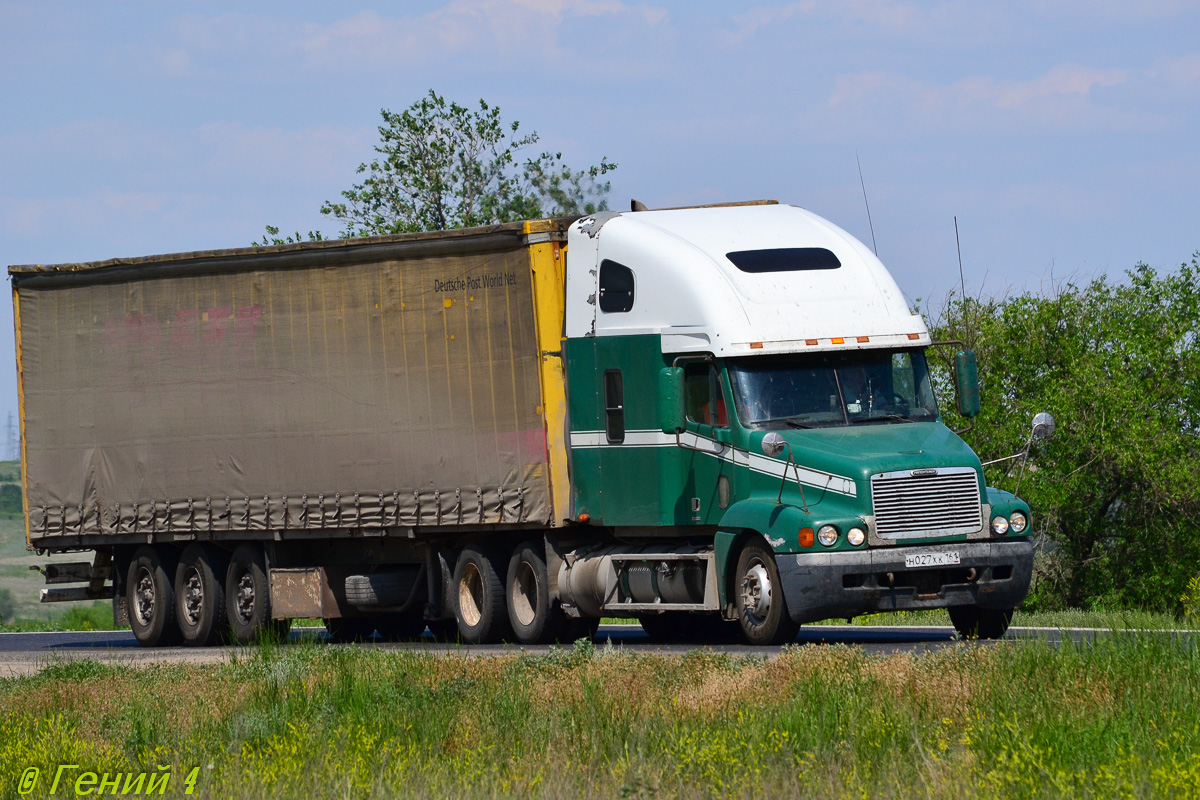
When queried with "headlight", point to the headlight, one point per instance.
{"points": [[827, 535], [1017, 522], [855, 536], [999, 526]]}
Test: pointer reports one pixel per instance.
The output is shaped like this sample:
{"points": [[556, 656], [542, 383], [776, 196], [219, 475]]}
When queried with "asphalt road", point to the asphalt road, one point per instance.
{"points": [[25, 653]]}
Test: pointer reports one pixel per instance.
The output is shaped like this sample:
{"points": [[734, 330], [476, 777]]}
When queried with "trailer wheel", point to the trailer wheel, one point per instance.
{"points": [[534, 617], [973, 622], [478, 597], [343, 630], [762, 609], [200, 595], [151, 596], [248, 598]]}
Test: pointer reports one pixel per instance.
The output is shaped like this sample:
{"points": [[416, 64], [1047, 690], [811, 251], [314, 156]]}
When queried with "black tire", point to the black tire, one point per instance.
{"points": [[577, 628], [973, 622], [533, 615], [200, 595], [402, 626], [248, 598], [150, 595], [343, 630], [478, 596], [761, 606]]}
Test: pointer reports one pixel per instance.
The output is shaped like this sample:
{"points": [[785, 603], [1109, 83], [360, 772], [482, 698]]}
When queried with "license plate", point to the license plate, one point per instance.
{"points": [[943, 559]]}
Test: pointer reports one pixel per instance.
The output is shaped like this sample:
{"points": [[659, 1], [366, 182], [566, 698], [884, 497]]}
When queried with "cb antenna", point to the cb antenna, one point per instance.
{"points": [[958, 244], [874, 246]]}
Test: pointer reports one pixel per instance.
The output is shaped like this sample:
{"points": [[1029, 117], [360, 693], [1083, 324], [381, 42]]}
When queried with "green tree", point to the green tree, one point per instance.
{"points": [[1114, 492], [441, 165]]}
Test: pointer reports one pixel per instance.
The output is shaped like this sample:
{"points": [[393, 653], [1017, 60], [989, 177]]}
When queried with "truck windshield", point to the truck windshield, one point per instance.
{"points": [[830, 389]]}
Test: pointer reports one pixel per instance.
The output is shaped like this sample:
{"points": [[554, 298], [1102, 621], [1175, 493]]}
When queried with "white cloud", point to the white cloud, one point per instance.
{"points": [[1063, 97]]}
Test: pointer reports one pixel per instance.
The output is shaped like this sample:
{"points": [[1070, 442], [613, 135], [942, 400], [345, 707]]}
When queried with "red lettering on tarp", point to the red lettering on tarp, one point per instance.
{"points": [[138, 332], [183, 334], [216, 322]]}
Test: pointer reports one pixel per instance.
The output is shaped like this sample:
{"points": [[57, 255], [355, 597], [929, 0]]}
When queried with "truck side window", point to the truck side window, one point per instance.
{"points": [[704, 401], [614, 406], [616, 287]]}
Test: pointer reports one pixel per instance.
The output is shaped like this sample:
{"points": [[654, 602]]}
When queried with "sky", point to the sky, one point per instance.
{"points": [[1062, 135]]}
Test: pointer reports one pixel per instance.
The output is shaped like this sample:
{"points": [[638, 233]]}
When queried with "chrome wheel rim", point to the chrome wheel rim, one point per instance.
{"points": [[470, 595], [143, 597], [524, 595], [193, 596], [756, 593], [244, 597]]}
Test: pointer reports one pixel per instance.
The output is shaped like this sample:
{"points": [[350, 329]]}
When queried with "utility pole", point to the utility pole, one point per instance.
{"points": [[13, 451]]}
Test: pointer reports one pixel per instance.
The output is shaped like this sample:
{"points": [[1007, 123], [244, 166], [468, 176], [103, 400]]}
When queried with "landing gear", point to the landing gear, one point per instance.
{"points": [[973, 622], [762, 609]]}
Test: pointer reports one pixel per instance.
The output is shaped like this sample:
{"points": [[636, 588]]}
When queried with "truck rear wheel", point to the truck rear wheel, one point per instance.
{"points": [[151, 596], [762, 609], [531, 611], [248, 598], [478, 597], [200, 595], [973, 622]]}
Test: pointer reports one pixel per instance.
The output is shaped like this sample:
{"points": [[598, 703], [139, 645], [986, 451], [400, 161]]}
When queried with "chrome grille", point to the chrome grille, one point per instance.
{"points": [[940, 504]]}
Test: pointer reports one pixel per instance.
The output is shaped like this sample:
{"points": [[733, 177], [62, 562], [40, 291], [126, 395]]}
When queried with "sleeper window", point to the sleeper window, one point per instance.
{"points": [[616, 287]]}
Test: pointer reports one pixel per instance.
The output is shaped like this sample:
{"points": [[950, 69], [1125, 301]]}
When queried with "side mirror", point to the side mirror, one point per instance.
{"points": [[1043, 426], [966, 383], [772, 444], [670, 400]]}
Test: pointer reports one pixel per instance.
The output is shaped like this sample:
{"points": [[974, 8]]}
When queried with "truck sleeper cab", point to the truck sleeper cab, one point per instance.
{"points": [[709, 419]]}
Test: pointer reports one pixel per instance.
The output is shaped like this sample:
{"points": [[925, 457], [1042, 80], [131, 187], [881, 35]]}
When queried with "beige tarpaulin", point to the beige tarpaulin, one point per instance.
{"points": [[385, 392]]}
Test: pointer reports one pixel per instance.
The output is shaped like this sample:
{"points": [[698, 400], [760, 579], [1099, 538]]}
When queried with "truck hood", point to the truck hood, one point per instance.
{"points": [[861, 451]]}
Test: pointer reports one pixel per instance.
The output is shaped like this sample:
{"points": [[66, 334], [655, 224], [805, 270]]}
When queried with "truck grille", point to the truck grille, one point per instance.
{"points": [[940, 504]]}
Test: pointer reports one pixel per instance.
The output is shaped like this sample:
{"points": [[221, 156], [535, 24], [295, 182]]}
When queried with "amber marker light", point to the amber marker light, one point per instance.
{"points": [[914, 336], [585, 517], [862, 339], [806, 537], [810, 341], [756, 345], [837, 340]]}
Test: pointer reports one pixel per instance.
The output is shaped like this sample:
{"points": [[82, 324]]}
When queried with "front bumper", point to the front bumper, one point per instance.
{"points": [[848, 583]]}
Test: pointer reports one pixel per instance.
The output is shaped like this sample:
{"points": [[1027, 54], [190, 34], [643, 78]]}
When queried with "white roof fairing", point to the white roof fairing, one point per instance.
{"points": [[690, 292]]}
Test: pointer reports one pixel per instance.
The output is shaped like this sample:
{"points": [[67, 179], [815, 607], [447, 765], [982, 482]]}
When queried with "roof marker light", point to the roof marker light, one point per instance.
{"points": [[756, 345], [810, 341], [837, 340], [914, 336], [864, 339]]}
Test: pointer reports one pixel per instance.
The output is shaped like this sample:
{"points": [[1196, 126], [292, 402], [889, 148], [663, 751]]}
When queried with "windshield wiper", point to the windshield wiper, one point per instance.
{"points": [[883, 418], [794, 423]]}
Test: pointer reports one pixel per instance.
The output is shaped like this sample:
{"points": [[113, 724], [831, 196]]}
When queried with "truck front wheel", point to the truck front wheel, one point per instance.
{"points": [[478, 596], [762, 610], [973, 622], [151, 597]]}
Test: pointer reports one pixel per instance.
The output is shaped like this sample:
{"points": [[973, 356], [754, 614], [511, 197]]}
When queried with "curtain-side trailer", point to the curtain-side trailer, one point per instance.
{"points": [[703, 418]]}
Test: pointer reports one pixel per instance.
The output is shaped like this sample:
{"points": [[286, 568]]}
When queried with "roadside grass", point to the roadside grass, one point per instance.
{"points": [[1116, 717], [1104, 620]]}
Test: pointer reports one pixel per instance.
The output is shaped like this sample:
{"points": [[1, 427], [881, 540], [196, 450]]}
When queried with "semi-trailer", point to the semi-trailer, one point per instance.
{"points": [[703, 418]]}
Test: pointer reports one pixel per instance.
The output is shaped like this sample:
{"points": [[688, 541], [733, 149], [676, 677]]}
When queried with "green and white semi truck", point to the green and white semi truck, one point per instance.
{"points": [[702, 418]]}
